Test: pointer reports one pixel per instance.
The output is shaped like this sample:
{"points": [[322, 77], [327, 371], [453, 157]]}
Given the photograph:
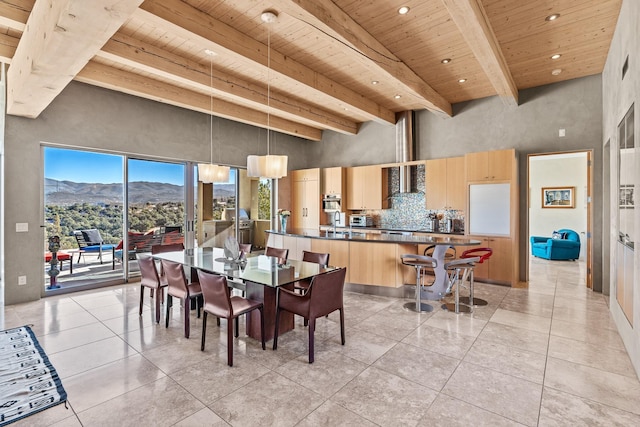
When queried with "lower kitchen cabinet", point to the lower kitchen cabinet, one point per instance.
{"points": [[338, 251], [499, 268]]}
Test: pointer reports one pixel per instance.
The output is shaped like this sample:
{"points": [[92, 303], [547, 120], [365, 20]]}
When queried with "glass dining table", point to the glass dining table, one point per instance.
{"points": [[262, 276]]}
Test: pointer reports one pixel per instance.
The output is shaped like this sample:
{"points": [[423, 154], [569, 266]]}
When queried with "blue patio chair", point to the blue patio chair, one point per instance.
{"points": [[90, 242]]}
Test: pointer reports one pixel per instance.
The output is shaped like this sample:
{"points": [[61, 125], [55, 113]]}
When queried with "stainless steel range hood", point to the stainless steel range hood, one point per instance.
{"points": [[405, 148]]}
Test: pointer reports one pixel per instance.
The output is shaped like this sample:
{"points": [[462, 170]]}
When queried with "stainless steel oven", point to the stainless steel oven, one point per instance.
{"points": [[332, 203]]}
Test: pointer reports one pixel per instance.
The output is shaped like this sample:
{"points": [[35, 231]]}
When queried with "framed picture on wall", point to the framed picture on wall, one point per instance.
{"points": [[558, 197], [626, 197]]}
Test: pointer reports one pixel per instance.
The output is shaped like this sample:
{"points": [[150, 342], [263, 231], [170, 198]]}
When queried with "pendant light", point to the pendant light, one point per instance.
{"points": [[269, 166], [208, 172]]}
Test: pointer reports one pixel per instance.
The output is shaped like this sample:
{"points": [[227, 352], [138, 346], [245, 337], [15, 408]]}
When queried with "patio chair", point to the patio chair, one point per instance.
{"points": [[90, 242]]}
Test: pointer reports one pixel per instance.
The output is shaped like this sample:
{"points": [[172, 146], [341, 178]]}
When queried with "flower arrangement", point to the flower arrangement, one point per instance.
{"points": [[283, 212]]}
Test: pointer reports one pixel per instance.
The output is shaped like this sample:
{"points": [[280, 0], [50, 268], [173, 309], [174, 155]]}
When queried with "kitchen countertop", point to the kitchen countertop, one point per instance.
{"points": [[362, 236], [384, 229]]}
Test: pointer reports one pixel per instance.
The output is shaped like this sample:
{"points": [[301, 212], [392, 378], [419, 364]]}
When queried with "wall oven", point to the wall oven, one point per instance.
{"points": [[332, 203]]}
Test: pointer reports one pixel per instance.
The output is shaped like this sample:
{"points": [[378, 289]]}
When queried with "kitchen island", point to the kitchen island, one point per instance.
{"points": [[371, 258]]}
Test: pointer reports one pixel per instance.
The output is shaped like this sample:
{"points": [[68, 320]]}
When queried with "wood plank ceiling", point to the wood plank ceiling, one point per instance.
{"points": [[323, 60]]}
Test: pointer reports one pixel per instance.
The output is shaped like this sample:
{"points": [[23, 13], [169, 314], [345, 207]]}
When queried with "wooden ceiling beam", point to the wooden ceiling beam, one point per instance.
{"points": [[14, 14], [134, 84], [472, 20], [325, 15], [192, 24], [59, 38], [8, 47], [143, 56]]}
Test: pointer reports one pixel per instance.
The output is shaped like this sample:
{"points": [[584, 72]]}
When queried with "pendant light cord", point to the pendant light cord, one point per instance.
{"points": [[268, 88], [211, 107]]}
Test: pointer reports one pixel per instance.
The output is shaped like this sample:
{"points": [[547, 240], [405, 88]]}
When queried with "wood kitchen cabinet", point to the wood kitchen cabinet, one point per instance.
{"points": [[333, 181], [338, 251], [500, 267], [364, 187], [445, 184], [305, 198], [490, 165]]}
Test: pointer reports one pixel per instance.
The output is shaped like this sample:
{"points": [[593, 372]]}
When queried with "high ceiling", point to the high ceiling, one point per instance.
{"points": [[323, 60]]}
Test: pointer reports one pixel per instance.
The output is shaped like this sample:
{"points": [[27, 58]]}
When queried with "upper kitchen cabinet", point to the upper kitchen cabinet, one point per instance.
{"points": [[305, 198], [333, 181], [445, 185], [364, 187], [490, 165]]}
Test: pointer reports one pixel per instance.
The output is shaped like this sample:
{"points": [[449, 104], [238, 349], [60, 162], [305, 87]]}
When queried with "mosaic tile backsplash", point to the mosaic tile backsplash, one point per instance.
{"points": [[407, 210]]}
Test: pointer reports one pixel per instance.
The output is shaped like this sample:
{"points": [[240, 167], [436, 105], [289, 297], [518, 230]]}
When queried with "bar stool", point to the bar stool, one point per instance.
{"points": [[454, 268], [419, 262], [484, 254]]}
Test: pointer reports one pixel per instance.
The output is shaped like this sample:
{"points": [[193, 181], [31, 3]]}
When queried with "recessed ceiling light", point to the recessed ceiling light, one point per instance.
{"points": [[398, 96], [403, 10], [374, 82], [556, 56], [210, 52], [462, 80], [556, 72], [446, 60], [552, 17]]}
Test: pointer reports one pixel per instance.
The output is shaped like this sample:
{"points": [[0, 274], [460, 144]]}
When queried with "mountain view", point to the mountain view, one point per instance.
{"points": [[65, 193]]}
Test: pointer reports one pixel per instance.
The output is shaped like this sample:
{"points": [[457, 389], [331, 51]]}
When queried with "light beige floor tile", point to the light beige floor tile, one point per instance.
{"points": [[332, 414], [614, 390], [385, 399], [387, 325], [160, 403], [581, 332], [563, 409], [72, 421], [463, 324], [118, 311], [418, 365], [52, 322], [212, 378], [153, 336], [449, 412], [176, 356], [326, 375], [508, 360], [273, 399], [89, 356], [70, 338], [203, 418], [603, 358], [48, 417], [586, 317], [528, 307], [98, 385], [523, 339], [505, 395], [440, 341], [522, 320], [364, 346]]}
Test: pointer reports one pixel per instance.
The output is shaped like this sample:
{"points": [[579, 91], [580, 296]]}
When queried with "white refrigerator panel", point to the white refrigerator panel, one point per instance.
{"points": [[489, 209]]}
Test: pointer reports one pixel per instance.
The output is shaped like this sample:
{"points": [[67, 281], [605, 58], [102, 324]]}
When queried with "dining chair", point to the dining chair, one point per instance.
{"points": [[315, 257], [281, 254], [157, 249], [245, 248], [324, 296], [150, 279], [179, 287], [219, 302]]}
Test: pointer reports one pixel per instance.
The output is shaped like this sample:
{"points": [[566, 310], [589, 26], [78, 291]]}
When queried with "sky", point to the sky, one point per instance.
{"points": [[84, 166]]}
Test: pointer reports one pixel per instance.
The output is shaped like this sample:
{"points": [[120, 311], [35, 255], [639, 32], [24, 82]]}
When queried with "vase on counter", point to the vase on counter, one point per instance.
{"points": [[283, 223]]}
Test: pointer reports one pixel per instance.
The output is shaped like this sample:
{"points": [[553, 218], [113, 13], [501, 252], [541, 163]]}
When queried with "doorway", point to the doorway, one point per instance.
{"points": [[568, 174]]}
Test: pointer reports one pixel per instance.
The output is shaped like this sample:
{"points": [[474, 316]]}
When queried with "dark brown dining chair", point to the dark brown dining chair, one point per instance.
{"points": [[316, 257], [157, 249], [324, 296], [245, 248], [281, 254], [149, 278], [179, 287], [219, 302]]}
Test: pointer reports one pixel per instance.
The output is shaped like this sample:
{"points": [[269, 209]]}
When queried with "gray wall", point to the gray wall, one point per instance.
{"points": [[489, 124], [85, 116]]}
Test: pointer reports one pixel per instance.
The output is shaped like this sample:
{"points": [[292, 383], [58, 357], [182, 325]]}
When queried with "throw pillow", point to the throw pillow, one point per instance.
{"points": [[92, 237], [556, 235]]}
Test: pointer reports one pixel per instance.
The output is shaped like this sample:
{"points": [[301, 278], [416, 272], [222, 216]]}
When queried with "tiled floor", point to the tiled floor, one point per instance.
{"points": [[547, 355]]}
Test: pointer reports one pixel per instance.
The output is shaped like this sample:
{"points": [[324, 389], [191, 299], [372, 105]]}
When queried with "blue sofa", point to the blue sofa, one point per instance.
{"points": [[564, 245]]}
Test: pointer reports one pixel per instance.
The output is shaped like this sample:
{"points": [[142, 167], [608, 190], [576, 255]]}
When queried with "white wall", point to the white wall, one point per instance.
{"points": [[618, 95], [558, 170]]}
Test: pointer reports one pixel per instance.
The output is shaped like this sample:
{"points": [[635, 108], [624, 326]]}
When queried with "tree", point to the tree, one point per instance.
{"points": [[264, 199]]}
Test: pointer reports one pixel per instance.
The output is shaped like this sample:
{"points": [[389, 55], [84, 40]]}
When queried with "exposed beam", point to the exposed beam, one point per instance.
{"points": [[8, 47], [471, 19], [143, 56], [14, 13], [134, 84], [332, 20], [60, 37], [194, 25]]}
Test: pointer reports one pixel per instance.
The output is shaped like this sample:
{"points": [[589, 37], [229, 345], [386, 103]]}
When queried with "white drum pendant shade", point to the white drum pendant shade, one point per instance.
{"points": [[269, 166], [209, 173]]}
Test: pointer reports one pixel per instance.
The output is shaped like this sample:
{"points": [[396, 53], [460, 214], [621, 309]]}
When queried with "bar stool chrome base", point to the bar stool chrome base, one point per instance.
{"points": [[476, 301], [461, 308], [424, 308]]}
